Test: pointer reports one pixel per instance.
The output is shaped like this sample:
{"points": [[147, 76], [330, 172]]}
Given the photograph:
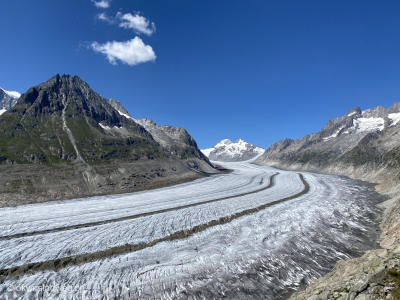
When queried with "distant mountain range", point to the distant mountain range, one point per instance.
{"points": [[226, 150], [360, 144], [7, 100], [61, 139]]}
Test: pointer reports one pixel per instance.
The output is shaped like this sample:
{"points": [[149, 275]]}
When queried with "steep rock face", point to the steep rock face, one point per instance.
{"points": [[63, 119], [7, 100], [118, 106], [358, 144], [176, 140], [62, 127], [226, 150]]}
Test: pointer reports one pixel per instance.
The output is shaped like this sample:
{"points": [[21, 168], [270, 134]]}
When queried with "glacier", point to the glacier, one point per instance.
{"points": [[260, 255]]}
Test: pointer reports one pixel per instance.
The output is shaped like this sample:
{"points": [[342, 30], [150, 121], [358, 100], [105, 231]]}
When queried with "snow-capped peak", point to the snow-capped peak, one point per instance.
{"points": [[12, 94], [7, 100], [223, 143], [226, 150]]}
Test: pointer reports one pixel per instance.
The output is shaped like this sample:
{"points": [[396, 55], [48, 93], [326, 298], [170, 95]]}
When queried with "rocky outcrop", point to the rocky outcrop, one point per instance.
{"points": [[175, 140], [62, 127], [375, 275], [118, 106], [226, 150]]}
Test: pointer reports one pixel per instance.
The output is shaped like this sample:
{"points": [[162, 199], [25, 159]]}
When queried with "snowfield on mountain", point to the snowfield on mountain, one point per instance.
{"points": [[229, 151]]}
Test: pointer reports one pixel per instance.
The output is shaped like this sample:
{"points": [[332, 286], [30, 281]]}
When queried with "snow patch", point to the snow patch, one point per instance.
{"points": [[223, 143], [109, 128], [126, 116], [104, 127], [350, 114], [12, 94], [2, 111], [207, 152], [395, 117], [368, 124], [335, 134]]}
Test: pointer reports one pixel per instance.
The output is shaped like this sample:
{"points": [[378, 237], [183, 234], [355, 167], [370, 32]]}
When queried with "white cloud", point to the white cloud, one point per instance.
{"points": [[101, 3], [131, 52], [106, 18], [136, 22]]}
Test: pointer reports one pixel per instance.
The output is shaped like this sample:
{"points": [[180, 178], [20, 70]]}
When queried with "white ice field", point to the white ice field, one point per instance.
{"points": [[260, 255]]}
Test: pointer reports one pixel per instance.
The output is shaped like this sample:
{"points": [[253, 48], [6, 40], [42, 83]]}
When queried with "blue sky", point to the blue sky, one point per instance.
{"points": [[258, 70]]}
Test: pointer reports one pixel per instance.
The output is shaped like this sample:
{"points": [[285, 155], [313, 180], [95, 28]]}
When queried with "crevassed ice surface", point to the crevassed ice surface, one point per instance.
{"points": [[256, 256]]}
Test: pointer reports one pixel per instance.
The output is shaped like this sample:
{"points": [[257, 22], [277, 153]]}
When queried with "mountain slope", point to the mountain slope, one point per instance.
{"points": [[63, 124], [363, 145], [359, 144], [175, 139], [226, 150], [118, 106], [7, 100]]}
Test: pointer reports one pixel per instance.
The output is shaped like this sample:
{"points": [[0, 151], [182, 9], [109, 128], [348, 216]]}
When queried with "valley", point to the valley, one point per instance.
{"points": [[200, 150], [255, 233]]}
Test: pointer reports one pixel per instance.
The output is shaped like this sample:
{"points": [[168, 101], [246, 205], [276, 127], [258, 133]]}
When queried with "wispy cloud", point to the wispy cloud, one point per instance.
{"points": [[102, 3], [131, 52], [106, 18], [136, 22]]}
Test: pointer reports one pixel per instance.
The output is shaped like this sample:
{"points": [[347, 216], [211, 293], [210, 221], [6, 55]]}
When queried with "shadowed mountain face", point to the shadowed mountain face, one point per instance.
{"points": [[63, 122], [226, 150], [359, 144]]}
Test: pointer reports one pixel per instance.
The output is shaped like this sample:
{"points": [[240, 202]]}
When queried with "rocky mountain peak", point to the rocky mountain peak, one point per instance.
{"points": [[118, 106], [340, 136], [175, 139], [64, 119], [64, 84], [70, 97], [88, 144], [148, 122], [225, 142], [354, 111]]}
